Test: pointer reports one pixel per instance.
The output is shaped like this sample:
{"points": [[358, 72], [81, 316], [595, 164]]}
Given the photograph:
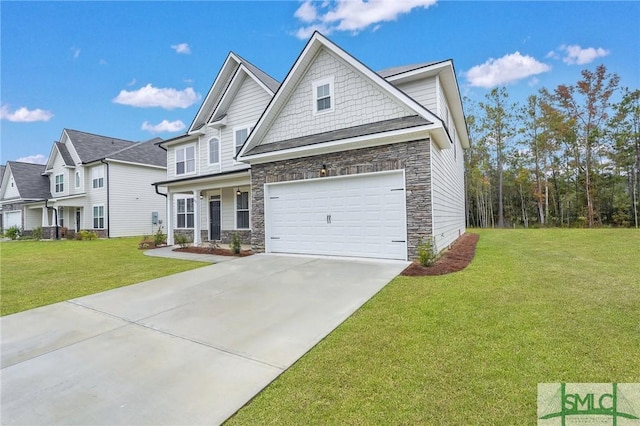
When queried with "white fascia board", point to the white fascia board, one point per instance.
{"points": [[181, 140], [131, 163], [209, 182], [403, 135], [68, 197]]}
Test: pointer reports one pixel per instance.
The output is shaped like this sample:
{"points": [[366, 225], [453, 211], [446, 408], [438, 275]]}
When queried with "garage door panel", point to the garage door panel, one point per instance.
{"points": [[349, 216]]}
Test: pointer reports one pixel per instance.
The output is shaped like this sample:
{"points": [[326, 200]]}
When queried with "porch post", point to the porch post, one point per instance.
{"points": [[169, 218], [196, 217], [45, 217]]}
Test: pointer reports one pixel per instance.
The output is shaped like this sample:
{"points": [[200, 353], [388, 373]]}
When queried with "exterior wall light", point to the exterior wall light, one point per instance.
{"points": [[323, 171], [238, 192]]}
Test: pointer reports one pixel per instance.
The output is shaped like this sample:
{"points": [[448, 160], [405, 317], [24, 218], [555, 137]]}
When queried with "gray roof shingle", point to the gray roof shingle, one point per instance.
{"points": [[265, 78], [29, 180], [388, 72], [92, 147], [142, 152], [64, 152], [350, 132]]}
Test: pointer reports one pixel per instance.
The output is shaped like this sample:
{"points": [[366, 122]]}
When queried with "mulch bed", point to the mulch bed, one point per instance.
{"points": [[213, 250], [455, 259]]}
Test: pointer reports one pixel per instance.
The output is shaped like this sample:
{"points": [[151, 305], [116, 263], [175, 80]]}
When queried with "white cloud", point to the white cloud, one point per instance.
{"points": [[508, 69], [103, 62], [24, 115], [149, 96], [182, 48], [163, 126], [576, 55], [35, 159], [132, 82], [76, 52], [351, 15]]}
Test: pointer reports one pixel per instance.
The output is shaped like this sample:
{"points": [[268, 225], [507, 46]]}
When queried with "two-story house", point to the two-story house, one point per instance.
{"points": [[22, 184], [207, 190], [102, 184], [343, 160]]}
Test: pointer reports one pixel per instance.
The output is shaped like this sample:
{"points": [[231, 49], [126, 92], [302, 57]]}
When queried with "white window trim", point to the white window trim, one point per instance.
{"points": [[186, 222], [93, 216], [55, 183], [214, 163], [315, 85], [248, 127], [195, 160], [235, 209]]}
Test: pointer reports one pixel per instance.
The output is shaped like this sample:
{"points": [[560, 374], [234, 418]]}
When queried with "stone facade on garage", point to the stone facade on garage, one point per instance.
{"points": [[412, 157]]}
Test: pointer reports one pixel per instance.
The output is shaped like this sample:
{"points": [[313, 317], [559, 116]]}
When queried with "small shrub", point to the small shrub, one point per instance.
{"points": [[13, 232], [182, 240], [159, 238], [235, 245], [86, 235], [37, 233], [427, 252]]}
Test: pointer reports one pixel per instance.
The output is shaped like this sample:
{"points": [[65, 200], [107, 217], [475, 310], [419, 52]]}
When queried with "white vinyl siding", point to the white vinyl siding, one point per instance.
{"points": [[357, 102], [12, 189], [133, 200], [423, 91]]}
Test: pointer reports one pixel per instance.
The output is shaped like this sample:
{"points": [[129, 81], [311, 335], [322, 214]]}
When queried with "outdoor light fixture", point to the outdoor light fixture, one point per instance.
{"points": [[201, 195], [323, 171], [238, 192]]}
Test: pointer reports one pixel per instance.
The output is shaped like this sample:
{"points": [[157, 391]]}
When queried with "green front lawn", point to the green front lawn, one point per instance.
{"points": [[37, 273], [470, 348]]}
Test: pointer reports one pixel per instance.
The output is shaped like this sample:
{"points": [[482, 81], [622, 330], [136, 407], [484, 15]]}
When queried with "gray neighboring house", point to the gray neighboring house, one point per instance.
{"points": [[349, 162], [21, 185], [96, 183]]}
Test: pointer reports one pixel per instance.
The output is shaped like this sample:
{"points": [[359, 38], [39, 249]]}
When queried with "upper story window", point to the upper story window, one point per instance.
{"points": [[59, 183], [186, 160], [97, 177], [323, 99], [214, 151], [77, 179], [240, 136]]}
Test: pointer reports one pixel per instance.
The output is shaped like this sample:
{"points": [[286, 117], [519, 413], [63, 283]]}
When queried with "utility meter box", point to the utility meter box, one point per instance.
{"points": [[154, 218]]}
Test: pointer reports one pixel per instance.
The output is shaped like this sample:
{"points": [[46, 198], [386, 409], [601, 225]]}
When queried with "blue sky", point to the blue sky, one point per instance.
{"points": [[137, 70]]}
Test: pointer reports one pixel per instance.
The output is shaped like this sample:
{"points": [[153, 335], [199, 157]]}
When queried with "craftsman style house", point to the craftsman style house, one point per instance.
{"points": [[90, 182], [337, 160]]}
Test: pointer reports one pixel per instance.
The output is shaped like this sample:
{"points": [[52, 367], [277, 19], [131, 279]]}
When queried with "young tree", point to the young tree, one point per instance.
{"points": [[587, 103]]}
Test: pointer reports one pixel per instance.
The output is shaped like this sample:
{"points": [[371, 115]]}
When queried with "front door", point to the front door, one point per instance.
{"points": [[214, 218], [77, 220]]}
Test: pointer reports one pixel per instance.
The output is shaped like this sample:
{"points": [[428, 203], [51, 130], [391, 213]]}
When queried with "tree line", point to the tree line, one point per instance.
{"points": [[565, 157]]}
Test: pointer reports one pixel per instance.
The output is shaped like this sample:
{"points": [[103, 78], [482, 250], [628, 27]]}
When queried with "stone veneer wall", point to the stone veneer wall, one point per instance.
{"points": [[413, 157]]}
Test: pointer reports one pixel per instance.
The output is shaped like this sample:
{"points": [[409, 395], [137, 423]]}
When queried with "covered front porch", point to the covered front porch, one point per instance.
{"points": [[209, 209]]}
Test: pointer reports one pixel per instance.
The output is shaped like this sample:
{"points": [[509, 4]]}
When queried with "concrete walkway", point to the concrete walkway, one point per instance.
{"points": [[191, 348]]}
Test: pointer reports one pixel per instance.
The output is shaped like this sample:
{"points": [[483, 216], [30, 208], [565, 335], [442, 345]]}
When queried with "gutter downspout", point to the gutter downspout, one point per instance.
{"points": [[55, 211], [108, 206]]}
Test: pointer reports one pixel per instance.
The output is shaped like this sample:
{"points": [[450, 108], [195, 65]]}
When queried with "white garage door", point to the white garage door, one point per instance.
{"points": [[12, 219], [362, 215]]}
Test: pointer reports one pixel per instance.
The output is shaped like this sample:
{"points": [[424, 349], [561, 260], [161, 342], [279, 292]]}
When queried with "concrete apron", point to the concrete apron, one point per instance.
{"points": [[191, 348]]}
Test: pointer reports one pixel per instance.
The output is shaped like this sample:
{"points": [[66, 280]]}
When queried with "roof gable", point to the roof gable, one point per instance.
{"points": [[232, 70], [319, 48], [29, 181], [91, 147]]}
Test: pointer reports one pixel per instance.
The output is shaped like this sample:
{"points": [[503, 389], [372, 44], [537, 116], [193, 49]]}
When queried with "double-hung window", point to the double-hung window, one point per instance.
{"points": [[242, 210], [214, 151], [186, 160], [185, 212], [323, 100], [240, 136], [98, 217], [59, 183], [97, 177]]}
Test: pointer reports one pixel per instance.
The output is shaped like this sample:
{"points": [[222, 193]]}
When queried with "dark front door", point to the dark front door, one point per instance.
{"points": [[77, 220], [214, 219]]}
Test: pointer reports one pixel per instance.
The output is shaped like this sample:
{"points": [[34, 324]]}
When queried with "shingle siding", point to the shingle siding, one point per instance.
{"points": [[412, 157], [357, 102]]}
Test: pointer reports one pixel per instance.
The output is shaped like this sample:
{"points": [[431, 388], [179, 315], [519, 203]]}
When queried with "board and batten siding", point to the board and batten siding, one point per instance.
{"points": [[423, 91], [133, 199], [356, 102]]}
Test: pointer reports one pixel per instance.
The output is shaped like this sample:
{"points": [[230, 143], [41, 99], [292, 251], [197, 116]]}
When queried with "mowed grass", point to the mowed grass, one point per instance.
{"points": [[469, 348], [37, 273]]}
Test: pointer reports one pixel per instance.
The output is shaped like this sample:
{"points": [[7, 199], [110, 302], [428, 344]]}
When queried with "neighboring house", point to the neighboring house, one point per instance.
{"points": [[101, 184], [207, 190], [21, 185], [344, 161]]}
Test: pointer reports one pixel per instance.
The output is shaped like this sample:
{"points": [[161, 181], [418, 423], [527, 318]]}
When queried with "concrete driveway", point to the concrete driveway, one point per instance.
{"points": [[191, 348]]}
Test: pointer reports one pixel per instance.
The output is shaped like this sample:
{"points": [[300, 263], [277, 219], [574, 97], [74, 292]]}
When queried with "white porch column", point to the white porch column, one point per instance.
{"points": [[169, 219], [196, 218], [45, 217]]}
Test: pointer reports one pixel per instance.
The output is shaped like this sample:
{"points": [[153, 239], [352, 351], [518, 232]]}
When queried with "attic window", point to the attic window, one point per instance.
{"points": [[323, 100]]}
